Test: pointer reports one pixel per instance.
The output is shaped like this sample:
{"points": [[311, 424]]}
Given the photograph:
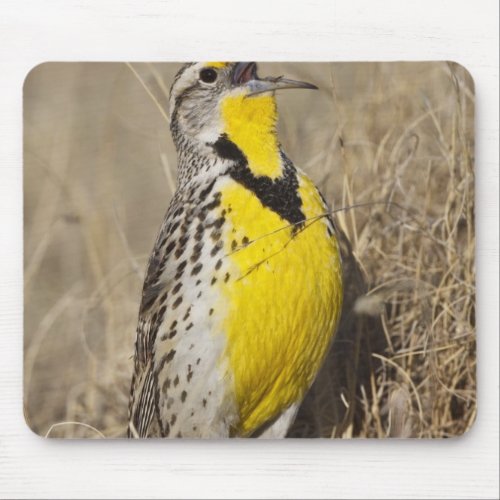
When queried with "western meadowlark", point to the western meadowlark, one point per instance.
{"points": [[243, 289]]}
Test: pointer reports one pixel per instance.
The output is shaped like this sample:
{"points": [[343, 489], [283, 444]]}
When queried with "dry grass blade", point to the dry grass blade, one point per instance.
{"points": [[82, 424]]}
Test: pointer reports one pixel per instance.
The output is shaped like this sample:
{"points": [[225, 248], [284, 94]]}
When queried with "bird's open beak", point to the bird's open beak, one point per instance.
{"points": [[245, 74]]}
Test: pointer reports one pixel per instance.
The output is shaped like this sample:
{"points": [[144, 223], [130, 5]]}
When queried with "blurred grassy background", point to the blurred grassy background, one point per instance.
{"points": [[99, 169]]}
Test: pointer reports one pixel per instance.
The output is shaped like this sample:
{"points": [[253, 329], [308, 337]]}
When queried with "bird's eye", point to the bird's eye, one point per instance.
{"points": [[208, 75]]}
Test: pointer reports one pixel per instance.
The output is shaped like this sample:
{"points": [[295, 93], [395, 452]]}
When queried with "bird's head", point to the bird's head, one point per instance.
{"points": [[213, 99]]}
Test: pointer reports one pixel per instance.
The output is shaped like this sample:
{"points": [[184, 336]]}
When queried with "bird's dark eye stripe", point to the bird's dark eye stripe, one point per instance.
{"points": [[208, 75]]}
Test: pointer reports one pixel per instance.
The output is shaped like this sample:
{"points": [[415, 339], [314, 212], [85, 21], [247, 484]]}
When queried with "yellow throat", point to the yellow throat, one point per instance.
{"points": [[250, 123]]}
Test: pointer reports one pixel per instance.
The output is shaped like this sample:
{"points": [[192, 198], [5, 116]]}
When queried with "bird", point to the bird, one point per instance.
{"points": [[243, 289]]}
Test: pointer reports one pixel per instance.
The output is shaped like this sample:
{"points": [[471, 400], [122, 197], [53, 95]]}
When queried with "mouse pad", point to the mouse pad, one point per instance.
{"points": [[233, 249]]}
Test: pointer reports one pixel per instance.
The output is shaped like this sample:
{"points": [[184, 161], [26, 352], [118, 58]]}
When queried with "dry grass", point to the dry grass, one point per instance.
{"points": [[395, 138]]}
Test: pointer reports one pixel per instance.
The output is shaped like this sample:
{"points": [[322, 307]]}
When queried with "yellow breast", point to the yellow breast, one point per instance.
{"points": [[284, 299]]}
